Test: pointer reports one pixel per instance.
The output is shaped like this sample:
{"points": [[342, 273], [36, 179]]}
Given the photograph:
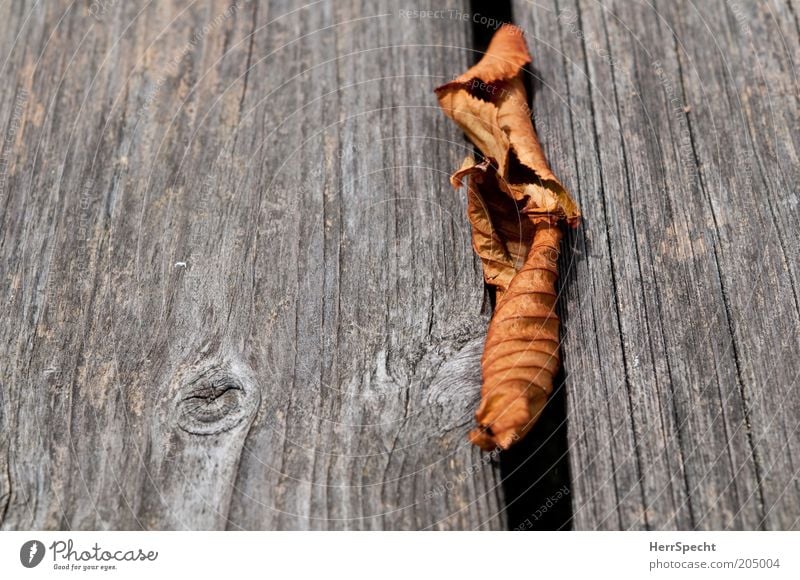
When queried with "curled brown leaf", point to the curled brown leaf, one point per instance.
{"points": [[516, 207]]}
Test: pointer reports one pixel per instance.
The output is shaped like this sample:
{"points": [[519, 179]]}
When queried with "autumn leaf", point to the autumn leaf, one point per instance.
{"points": [[516, 207]]}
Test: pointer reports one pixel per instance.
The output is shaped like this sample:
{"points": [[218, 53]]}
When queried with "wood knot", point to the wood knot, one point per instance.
{"points": [[215, 399]]}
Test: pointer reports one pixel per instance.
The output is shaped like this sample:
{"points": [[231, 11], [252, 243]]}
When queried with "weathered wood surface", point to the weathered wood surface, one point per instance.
{"points": [[238, 291], [676, 124]]}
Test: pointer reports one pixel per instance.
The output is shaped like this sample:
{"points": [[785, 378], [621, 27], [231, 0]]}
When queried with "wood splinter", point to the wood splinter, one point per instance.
{"points": [[517, 208]]}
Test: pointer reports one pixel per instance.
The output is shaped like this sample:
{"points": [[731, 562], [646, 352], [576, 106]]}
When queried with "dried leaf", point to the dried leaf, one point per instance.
{"points": [[516, 207], [521, 353], [490, 104], [500, 233]]}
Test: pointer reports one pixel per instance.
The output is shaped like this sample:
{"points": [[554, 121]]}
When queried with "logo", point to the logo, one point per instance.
{"points": [[31, 553]]}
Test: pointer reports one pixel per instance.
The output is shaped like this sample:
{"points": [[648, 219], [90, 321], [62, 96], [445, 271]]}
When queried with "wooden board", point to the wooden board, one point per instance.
{"points": [[238, 291], [675, 124]]}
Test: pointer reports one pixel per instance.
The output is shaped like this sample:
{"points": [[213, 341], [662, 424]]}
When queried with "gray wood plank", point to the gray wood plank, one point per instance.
{"points": [[675, 125], [238, 291]]}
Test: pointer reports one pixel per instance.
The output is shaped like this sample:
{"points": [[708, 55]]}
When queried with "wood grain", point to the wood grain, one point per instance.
{"points": [[238, 292], [238, 289], [675, 124]]}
